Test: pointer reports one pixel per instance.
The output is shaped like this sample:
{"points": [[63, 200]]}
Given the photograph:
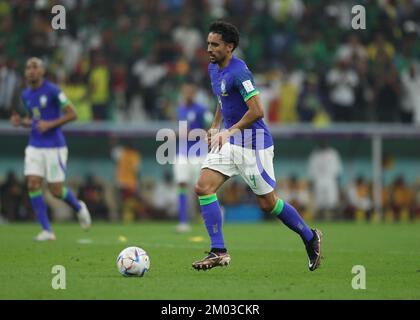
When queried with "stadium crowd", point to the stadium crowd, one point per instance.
{"points": [[157, 200], [125, 60]]}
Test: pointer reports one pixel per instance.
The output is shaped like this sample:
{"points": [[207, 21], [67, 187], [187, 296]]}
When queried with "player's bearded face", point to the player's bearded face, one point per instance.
{"points": [[217, 48]]}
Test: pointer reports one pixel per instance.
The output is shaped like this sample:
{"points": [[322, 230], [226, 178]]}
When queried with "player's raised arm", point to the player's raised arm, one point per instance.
{"points": [[255, 112]]}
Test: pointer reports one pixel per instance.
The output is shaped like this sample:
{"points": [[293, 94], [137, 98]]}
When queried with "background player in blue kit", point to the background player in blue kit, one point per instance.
{"points": [[189, 159], [245, 148], [46, 154]]}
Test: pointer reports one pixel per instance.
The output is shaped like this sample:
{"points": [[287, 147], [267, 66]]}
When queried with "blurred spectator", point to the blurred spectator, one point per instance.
{"points": [[283, 10], [125, 35], [12, 193], [364, 109], [401, 200], [38, 41], [165, 199], [360, 203], [72, 47], [310, 51], [410, 80], [310, 106], [149, 73], [188, 37], [92, 193], [233, 193], [9, 85], [386, 88], [99, 79], [353, 51], [166, 50], [297, 194], [77, 92], [342, 81], [417, 199], [128, 162], [11, 34], [324, 170], [380, 46], [289, 95], [119, 89]]}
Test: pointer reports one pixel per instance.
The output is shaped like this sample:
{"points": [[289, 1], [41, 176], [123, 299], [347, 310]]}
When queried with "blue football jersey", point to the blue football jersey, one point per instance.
{"points": [[195, 116], [45, 103], [232, 87]]}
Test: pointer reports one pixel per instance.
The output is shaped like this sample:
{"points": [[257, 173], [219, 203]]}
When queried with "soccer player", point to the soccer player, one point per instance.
{"points": [[188, 164], [46, 154], [244, 148]]}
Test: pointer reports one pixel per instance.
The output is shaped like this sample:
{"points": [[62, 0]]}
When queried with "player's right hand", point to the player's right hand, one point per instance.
{"points": [[15, 119], [210, 136]]}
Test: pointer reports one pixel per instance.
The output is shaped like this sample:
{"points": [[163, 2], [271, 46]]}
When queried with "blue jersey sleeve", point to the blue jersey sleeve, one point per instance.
{"points": [[59, 96], [243, 81]]}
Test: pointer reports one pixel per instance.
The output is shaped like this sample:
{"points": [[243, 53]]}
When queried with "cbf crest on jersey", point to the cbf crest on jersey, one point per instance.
{"points": [[43, 101], [223, 88]]}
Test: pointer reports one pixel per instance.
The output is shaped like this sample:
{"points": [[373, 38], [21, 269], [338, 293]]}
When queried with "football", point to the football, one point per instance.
{"points": [[133, 261]]}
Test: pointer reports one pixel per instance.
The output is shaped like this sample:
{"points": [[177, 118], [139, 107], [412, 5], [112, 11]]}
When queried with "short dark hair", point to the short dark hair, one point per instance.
{"points": [[228, 31]]}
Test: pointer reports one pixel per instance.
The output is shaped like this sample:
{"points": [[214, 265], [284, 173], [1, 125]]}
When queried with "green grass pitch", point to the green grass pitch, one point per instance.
{"points": [[268, 262]]}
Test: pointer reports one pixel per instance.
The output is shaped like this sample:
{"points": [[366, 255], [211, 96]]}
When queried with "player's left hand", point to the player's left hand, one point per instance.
{"points": [[43, 126]]}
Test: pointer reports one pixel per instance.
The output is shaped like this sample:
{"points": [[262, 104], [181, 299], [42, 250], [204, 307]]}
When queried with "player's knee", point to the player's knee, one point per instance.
{"points": [[33, 185], [266, 206], [198, 190], [203, 190], [56, 191]]}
